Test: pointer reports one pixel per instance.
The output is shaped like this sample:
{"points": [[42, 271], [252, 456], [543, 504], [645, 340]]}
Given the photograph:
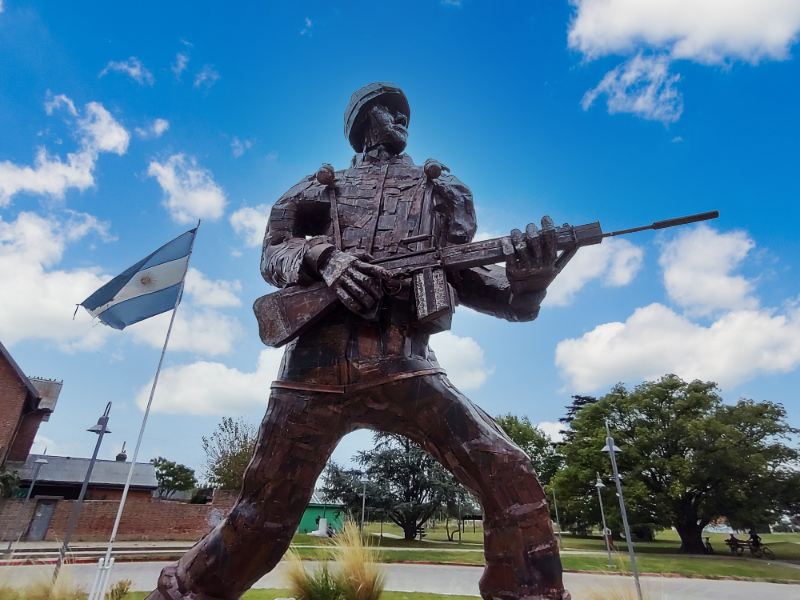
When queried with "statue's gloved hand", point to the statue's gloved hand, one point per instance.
{"points": [[532, 257], [357, 284]]}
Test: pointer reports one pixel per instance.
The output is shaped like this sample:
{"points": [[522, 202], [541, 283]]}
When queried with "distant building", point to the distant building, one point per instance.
{"points": [[317, 509], [24, 403], [63, 476]]}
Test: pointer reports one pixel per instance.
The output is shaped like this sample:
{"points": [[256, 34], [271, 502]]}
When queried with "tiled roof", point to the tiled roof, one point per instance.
{"points": [[65, 469]]}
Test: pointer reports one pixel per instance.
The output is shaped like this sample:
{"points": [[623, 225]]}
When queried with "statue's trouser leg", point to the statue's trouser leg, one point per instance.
{"points": [[298, 434], [522, 558], [296, 438]]}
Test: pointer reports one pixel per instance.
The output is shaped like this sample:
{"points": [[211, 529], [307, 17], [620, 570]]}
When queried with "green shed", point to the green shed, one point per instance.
{"points": [[317, 509]]}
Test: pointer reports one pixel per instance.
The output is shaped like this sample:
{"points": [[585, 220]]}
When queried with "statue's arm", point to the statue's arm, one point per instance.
{"points": [[488, 290], [485, 289], [295, 241]]}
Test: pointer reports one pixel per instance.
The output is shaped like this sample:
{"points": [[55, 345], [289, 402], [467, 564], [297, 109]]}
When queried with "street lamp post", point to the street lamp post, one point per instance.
{"points": [[37, 465], [599, 485], [555, 506], [363, 501], [612, 450], [100, 429]]}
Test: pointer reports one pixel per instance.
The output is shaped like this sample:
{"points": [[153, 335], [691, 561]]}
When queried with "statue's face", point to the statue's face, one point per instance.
{"points": [[386, 126]]}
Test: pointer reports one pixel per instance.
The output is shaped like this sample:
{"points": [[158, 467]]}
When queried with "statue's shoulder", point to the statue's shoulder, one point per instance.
{"points": [[306, 188]]}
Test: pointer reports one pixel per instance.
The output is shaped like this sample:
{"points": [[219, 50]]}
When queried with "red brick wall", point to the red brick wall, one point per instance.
{"points": [[12, 400], [14, 517], [21, 446], [93, 493], [143, 518]]}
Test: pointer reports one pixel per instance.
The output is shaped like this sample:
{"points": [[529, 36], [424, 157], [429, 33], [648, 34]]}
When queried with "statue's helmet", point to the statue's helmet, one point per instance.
{"points": [[355, 115]]}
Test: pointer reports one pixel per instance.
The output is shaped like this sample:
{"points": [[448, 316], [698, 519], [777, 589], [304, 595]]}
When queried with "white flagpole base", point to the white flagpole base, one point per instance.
{"points": [[101, 577]]}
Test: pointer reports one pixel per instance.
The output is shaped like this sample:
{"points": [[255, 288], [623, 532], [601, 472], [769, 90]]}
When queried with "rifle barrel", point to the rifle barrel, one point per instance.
{"points": [[712, 214]]}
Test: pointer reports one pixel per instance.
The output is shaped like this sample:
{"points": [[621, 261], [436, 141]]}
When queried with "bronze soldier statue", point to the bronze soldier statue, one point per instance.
{"points": [[366, 363]]}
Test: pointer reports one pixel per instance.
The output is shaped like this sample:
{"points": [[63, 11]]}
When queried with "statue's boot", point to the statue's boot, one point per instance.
{"points": [[168, 588]]}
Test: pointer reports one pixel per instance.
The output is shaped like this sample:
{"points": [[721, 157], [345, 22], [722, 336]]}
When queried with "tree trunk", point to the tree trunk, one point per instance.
{"points": [[691, 535], [410, 529]]}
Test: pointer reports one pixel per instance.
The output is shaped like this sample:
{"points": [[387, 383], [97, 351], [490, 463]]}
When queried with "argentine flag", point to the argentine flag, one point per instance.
{"points": [[150, 287]]}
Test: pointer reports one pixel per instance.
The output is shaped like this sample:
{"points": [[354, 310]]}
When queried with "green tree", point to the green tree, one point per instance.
{"points": [[578, 402], [686, 458], [404, 483], [9, 481], [172, 477], [533, 442], [228, 451]]}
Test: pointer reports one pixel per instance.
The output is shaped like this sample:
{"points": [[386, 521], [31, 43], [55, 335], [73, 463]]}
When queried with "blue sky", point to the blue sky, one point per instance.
{"points": [[123, 125]]}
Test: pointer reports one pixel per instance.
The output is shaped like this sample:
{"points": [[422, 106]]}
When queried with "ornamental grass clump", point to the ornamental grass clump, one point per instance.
{"points": [[316, 584], [64, 589], [356, 574], [360, 575]]}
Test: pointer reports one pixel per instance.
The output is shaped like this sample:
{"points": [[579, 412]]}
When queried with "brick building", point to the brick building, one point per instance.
{"points": [[24, 403]]}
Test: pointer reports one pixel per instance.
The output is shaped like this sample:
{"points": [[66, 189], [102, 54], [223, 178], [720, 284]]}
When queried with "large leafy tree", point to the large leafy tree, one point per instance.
{"points": [[173, 477], [686, 458], [9, 480], [228, 451], [404, 483], [578, 402], [533, 442]]}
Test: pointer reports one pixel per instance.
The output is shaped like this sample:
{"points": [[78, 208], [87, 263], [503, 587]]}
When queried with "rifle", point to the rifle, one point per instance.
{"points": [[285, 314]]}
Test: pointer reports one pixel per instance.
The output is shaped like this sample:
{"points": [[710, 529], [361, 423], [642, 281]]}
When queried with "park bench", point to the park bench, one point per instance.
{"points": [[737, 548]]}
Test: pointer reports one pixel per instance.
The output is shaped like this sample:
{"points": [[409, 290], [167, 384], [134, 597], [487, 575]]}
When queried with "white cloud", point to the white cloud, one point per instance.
{"points": [[251, 223], [200, 331], [484, 235], [209, 388], [642, 86], [181, 60], [191, 192], [462, 358], [102, 132], [705, 31], [239, 147], [154, 130], [54, 102], [42, 444], [97, 131], [40, 303], [132, 67], [206, 77], [552, 430], [697, 264], [742, 342], [307, 28], [655, 341], [1, 5], [217, 293], [677, 139], [709, 32], [616, 261]]}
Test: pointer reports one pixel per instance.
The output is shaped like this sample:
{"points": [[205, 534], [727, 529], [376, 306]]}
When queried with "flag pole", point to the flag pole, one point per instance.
{"points": [[106, 564]]}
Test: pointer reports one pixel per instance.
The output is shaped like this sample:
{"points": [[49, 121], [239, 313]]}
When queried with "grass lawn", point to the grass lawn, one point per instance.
{"points": [[272, 594], [689, 566], [786, 546]]}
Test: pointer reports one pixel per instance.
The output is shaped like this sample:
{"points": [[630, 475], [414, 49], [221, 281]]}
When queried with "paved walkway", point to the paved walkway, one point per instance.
{"points": [[443, 579]]}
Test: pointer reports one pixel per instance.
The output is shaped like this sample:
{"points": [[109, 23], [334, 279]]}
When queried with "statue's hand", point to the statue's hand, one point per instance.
{"points": [[531, 257], [357, 284]]}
